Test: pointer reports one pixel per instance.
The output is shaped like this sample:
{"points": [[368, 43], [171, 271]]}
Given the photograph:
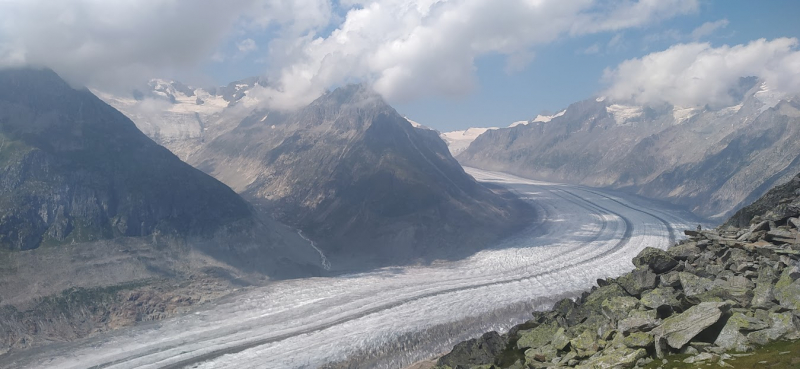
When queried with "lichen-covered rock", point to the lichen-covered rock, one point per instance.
{"points": [[732, 336], [618, 358], [560, 339], [639, 321], [781, 325], [684, 252], [658, 260], [542, 354], [537, 337], [787, 289], [637, 281], [660, 297], [617, 308], [585, 344], [678, 330], [693, 285], [638, 340]]}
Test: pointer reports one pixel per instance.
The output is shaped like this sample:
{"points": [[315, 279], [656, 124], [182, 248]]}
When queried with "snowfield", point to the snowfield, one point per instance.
{"points": [[392, 317]]}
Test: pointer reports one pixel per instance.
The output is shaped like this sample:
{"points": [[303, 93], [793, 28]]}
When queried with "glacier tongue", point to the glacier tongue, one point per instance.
{"points": [[392, 317]]}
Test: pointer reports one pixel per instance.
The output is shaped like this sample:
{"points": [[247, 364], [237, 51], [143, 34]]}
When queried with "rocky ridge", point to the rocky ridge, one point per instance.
{"points": [[712, 161], [718, 292]]}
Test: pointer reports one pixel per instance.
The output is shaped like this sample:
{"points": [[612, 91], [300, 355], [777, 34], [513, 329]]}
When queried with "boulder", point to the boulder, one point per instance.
{"points": [[658, 260], [763, 293], [637, 281], [638, 340], [618, 308], [585, 344], [678, 330], [781, 325], [787, 289], [639, 321], [732, 336], [693, 285], [660, 297], [560, 340], [670, 279], [618, 358], [685, 252], [537, 337], [545, 353]]}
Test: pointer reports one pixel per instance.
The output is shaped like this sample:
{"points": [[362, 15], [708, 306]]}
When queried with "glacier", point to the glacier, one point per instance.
{"points": [[392, 317]]}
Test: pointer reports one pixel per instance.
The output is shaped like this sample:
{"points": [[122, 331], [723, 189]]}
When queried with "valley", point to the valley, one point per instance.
{"points": [[395, 316]]}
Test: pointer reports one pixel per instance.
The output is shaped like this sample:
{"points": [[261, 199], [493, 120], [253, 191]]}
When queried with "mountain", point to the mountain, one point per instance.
{"points": [[712, 161], [458, 141], [359, 179], [181, 117], [101, 227]]}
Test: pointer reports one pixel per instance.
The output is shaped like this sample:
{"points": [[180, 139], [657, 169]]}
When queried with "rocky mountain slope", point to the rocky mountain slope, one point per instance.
{"points": [[712, 161], [360, 180], [182, 118], [89, 204], [716, 293]]}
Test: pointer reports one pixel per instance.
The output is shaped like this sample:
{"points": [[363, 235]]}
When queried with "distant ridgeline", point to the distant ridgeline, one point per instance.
{"points": [[711, 160], [720, 292]]}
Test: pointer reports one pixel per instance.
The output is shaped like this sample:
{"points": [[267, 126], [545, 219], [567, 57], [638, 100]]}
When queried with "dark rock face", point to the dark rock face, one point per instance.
{"points": [[713, 162], [727, 289], [358, 178], [73, 169], [479, 351]]}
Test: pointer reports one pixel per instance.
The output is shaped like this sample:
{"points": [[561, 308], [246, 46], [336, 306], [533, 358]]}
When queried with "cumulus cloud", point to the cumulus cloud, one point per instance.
{"points": [[102, 42], [406, 48], [414, 48], [708, 28], [697, 74]]}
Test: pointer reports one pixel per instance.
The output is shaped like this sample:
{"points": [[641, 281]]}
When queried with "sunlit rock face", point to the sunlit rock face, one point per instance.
{"points": [[712, 160]]}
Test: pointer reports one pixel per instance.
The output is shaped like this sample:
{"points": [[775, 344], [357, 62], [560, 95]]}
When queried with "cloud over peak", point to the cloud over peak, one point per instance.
{"points": [[698, 74]]}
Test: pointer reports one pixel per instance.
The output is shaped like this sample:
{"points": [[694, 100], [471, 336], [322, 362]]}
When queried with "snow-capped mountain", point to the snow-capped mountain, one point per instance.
{"points": [[458, 141], [539, 119], [180, 117], [713, 160]]}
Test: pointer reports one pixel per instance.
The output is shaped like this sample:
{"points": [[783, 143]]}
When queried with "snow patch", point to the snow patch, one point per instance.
{"points": [[458, 141], [624, 113], [683, 114]]}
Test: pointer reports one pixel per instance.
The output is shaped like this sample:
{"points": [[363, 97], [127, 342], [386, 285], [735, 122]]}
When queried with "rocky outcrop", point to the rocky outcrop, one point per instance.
{"points": [[727, 289], [711, 161]]}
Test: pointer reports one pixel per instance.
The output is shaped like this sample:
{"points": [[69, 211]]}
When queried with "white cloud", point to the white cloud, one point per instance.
{"points": [[414, 48], [101, 42], [246, 46], [708, 28], [697, 74], [406, 48]]}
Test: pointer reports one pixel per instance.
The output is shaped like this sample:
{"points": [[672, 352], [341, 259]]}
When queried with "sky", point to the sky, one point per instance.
{"points": [[448, 64]]}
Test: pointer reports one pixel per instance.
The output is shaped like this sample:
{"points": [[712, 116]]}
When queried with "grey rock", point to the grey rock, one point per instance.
{"points": [[658, 260], [678, 330], [693, 285], [660, 297], [637, 281]]}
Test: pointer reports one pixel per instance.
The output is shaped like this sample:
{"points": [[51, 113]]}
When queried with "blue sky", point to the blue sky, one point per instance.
{"points": [[566, 70]]}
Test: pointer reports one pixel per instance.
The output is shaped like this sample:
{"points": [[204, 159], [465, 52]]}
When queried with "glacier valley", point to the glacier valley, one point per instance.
{"points": [[392, 317]]}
